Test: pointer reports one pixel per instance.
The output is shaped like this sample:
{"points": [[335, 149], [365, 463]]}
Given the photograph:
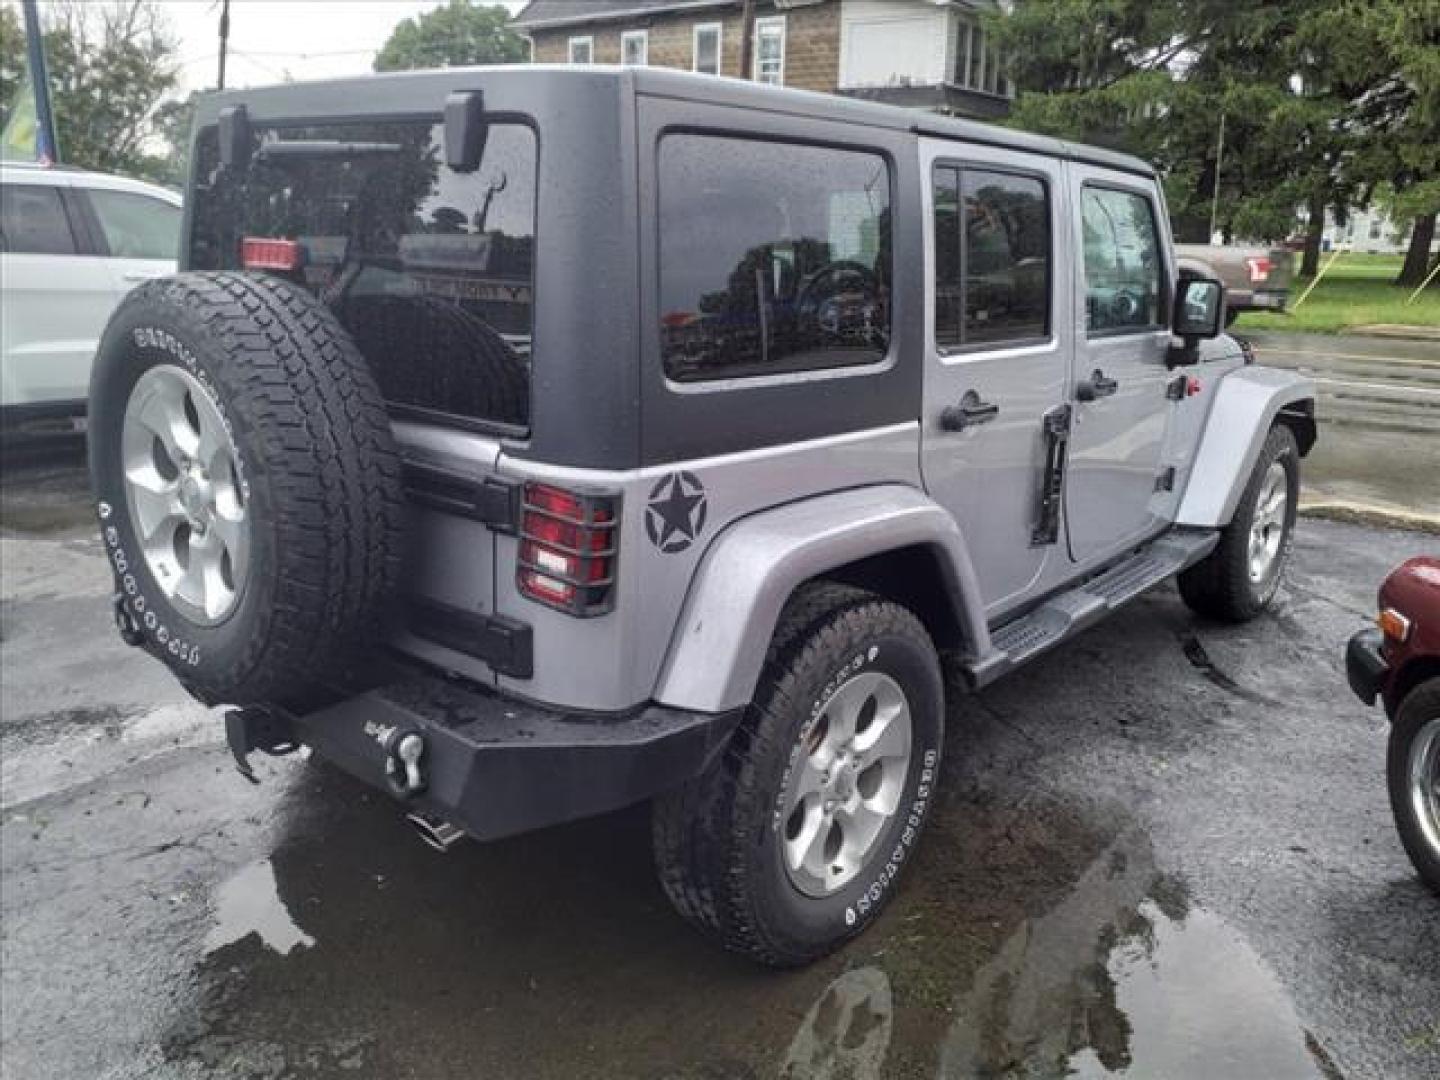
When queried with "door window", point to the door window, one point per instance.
{"points": [[1123, 270], [136, 226], [774, 257], [992, 258], [32, 221]]}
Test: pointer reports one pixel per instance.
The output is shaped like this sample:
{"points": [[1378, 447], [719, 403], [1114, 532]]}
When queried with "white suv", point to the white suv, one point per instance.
{"points": [[72, 244]]}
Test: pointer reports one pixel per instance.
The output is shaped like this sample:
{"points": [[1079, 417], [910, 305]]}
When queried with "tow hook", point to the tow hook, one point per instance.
{"points": [[403, 752], [126, 624], [257, 729]]}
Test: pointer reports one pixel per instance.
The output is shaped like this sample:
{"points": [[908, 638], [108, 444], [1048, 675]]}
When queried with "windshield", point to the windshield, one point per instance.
{"points": [[429, 269]]}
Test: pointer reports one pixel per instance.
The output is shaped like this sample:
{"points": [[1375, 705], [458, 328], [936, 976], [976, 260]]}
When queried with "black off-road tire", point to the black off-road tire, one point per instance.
{"points": [[1219, 586], [717, 840], [1418, 711], [322, 475]]}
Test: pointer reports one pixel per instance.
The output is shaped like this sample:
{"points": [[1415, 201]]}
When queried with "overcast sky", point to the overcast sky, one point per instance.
{"points": [[271, 40]]}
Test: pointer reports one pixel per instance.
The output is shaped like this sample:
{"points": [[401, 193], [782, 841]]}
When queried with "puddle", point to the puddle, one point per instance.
{"points": [[1198, 1003], [249, 903], [1125, 978], [846, 1032]]}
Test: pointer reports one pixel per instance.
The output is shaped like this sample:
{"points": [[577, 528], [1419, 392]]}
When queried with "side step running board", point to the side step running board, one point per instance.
{"points": [[1067, 613]]}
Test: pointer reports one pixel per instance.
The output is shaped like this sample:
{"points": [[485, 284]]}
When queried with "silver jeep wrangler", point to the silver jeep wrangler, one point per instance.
{"points": [[532, 442]]}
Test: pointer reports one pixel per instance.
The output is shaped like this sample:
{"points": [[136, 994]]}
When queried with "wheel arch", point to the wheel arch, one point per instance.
{"points": [[1410, 675], [1248, 402], [891, 539]]}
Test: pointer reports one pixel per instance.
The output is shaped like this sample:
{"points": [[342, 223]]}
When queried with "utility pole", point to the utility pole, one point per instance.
{"points": [[224, 41], [47, 146], [747, 40], [1215, 195]]}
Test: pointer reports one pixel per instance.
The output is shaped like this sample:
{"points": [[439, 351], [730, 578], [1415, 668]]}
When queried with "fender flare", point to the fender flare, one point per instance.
{"points": [[751, 569], [1248, 401]]}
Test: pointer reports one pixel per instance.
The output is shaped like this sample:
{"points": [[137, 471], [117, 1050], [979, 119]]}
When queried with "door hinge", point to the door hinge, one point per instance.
{"points": [[1166, 480], [1056, 426]]}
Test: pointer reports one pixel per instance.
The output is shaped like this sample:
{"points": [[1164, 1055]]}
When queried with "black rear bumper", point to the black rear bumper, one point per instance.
{"points": [[492, 765], [1365, 665]]}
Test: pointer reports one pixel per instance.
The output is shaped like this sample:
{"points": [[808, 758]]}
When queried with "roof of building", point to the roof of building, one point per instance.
{"points": [[542, 14]]}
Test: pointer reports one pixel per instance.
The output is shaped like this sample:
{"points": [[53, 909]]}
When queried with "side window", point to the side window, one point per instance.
{"points": [[32, 221], [1124, 285], [774, 257], [136, 226], [992, 258]]}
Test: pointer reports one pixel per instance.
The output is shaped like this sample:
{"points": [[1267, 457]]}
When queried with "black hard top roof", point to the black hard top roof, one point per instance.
{"points": [[404, 90]]}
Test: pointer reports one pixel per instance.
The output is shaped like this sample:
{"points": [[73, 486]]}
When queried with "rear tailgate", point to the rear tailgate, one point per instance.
{"points": [[430, 270]]}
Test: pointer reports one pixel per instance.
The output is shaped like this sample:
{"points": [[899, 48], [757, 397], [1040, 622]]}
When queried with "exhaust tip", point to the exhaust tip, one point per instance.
{"points": [[436, 832]]}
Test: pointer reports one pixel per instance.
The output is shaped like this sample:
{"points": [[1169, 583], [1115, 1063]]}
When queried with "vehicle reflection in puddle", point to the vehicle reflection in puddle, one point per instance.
{"points": [[1035, 938], [846, 1032], [248, 902], [1124, 978]]}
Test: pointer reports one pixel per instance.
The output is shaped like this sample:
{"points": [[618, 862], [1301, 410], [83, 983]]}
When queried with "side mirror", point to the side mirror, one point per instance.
{"points": [[1199, 313], [235, 142], [465, 130]]}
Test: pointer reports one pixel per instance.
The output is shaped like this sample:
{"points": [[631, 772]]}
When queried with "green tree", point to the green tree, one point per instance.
{"points": [[12, 59], [456, 34], [1397, 153], [110, 66]]}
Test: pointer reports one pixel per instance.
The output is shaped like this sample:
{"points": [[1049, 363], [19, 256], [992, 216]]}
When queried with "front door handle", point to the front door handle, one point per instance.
{"points": [[968, 413], [1097, 386]]}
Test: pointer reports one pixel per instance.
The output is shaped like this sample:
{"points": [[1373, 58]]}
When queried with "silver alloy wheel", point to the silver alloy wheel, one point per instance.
{"points": [[1267, 528], [1424, 782], [183, 492], [848, 780]]}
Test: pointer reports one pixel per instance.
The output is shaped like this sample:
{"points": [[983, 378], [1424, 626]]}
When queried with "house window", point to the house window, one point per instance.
{"points": [[707, 48], [635, 47], [770, 50], [975, 78], [582, 50]]}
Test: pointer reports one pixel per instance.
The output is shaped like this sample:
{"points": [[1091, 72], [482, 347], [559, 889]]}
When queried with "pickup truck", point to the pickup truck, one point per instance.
{"points": [[1255, 278]]}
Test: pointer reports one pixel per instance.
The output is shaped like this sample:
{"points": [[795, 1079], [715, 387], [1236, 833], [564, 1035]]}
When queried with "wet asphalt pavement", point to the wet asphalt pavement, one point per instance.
{"points": [[1162, 851]]}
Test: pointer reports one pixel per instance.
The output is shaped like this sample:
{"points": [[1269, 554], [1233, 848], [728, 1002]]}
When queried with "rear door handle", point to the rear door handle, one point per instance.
{"points": [[1097, 386], [968, 413]]}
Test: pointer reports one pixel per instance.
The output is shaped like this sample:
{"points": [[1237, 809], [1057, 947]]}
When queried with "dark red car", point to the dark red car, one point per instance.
{"points": [[1398, 660]]}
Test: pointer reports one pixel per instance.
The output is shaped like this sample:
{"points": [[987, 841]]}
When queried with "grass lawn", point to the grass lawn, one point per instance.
{"points": [[1355, 292]]}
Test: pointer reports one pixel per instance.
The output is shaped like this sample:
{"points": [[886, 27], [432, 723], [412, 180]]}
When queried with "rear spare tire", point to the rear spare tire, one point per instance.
{"points": [[248, 488]]}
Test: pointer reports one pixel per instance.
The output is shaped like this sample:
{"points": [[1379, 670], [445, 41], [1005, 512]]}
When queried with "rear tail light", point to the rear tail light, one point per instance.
{"points": [[262, 253], [1259, 267], [567, 549], [1394, 626]]}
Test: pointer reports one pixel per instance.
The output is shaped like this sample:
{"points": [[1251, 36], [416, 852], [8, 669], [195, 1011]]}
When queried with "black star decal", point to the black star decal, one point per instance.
{"points": [[676, 513]]}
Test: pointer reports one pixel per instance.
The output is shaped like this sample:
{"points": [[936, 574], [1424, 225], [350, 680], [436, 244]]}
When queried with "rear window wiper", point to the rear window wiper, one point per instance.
{"points": [[326, 148]]}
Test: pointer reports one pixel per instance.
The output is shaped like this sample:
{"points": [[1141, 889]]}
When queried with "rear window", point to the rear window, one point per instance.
{"points": [[429, 269], [774, 257]]}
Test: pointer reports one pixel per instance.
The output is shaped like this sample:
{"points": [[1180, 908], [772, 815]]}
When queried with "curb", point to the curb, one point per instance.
{"points": [[1361, 514], [1395, 331]]}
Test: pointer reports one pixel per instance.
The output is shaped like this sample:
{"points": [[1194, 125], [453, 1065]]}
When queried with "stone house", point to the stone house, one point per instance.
{"points": [[929, 54]]}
